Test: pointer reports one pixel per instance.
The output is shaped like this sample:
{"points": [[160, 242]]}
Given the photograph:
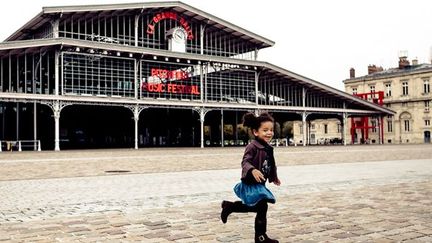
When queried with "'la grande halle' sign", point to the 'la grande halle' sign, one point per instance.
{"points": [[169, 15]]}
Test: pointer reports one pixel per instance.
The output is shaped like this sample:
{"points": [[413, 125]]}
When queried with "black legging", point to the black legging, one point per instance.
{"points": [[261, 217]]}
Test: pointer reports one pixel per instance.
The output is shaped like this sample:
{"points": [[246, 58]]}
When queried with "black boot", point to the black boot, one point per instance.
{"points": [[227, 209], [264, 239], [231, 207]]}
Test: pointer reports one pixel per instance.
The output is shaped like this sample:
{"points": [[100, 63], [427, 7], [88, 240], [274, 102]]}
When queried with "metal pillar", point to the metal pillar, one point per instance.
{"points": [[256, 87], [202, 29], [56, 72], [56, 109], [55, 28], [222, 129], [34, 123], [202, 112], [17, 122], [136, 119], [381, 121], [235, 127], [380, 130], [344, 127], [136, 110], [137, 81], [201, 68], [344, 124], [304, 115], [136, 29]]}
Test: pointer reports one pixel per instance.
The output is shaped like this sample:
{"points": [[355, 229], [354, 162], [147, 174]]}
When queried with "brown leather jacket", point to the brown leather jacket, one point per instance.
{"points": [[253, 158]]}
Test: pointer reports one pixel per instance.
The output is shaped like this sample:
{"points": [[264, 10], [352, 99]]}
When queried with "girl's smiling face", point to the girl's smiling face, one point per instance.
{"points": [[265, 131]]}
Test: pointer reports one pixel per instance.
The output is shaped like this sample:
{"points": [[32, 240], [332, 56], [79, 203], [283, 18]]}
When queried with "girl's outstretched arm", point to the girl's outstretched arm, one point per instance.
{"points": [[277, 182]]}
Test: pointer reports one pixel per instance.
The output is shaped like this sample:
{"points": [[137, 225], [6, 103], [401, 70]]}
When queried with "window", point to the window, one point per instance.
{"points": [[404, 104], [388, 105], [374, 125], [312, 126], [389, 126], [388, 90], [325, 128], [301, 128], [407, 125], [426, 103], [339, 128], [427, 123], [426, 86], [372, 88], [405, 88], [354, 91]]}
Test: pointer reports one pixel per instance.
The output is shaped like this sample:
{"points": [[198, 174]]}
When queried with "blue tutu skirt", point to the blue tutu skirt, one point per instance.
{"points": [[251, 194]]}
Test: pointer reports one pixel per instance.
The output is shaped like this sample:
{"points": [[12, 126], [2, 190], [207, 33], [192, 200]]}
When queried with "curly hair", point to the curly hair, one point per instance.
{"points": [[254, 122]]}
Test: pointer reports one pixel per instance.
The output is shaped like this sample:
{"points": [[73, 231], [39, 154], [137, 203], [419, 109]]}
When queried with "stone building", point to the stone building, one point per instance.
{"points": [[407, 92]]}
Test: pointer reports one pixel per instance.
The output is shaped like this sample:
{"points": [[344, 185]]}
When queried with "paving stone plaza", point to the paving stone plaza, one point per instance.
{"points": [[328, 194]]}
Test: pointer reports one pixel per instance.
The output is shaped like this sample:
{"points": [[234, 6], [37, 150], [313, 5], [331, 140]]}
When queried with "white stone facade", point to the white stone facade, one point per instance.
{"points": [[407, 91]]}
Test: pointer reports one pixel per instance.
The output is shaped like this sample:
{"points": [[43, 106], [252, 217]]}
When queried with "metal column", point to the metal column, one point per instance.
{"points": [[344, 127], [136, 110], [304, 115], [202, 29], [55, 28], [222, 129], [56, 109], [136, 119], [56, 72], [17, 121], [256, 87], [137, 81], [201, 68], [381, 126], [202, 112], [136, 29], [35, 123]]}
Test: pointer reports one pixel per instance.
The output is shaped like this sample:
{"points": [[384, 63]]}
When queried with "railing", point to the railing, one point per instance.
{"points": [[19, 145]]}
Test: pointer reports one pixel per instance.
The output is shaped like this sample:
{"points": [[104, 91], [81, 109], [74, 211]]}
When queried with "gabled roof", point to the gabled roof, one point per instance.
{"points": [[48, 12], [327, 89]]}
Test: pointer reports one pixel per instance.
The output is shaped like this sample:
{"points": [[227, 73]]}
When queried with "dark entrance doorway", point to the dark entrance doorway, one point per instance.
{"points": [[427, 137]]}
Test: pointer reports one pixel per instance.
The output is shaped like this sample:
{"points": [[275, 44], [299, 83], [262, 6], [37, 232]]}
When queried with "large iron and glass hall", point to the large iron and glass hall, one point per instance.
{"points": [[149, 74]]}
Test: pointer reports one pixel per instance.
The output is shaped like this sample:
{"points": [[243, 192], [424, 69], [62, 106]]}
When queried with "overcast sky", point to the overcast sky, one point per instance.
{"points": [[318, 39]]}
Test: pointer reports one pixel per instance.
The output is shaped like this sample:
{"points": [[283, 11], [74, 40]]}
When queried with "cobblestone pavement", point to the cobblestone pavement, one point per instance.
{"points": [[322, 199], [50, 164]]}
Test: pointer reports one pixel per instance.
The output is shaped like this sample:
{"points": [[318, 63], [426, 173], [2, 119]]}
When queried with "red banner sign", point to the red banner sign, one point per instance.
{"points": [[169, 15], [158, 82], [170, 88], [167, 75]]}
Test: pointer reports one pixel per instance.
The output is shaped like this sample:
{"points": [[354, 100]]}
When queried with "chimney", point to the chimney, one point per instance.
{"points": [[403, 62], [403, 59], [372, 69], [414, 62], [352, 73]]}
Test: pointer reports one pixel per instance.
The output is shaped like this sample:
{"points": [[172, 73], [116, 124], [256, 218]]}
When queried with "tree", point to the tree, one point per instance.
{"points": [[287, 129]]}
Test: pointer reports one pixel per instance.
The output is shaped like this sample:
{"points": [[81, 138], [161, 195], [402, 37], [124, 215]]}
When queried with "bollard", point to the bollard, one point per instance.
{"points": [[39, 146], [19, 146], [0, 146]]}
